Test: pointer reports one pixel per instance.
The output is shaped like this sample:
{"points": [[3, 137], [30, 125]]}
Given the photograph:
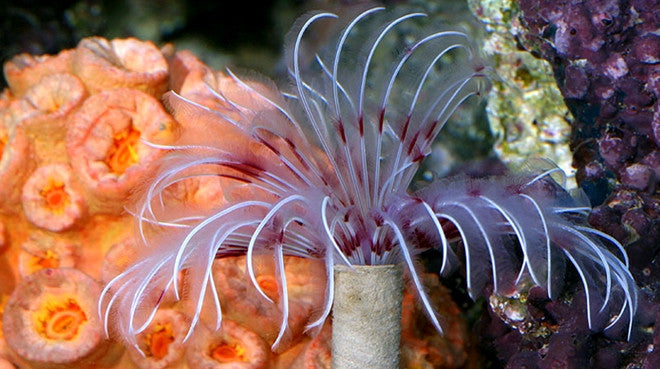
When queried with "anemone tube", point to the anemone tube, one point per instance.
{"points": [[326, 169]]}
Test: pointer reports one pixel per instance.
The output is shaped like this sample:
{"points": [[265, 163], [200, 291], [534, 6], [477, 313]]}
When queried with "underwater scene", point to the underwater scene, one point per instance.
{"points": [[330, 184]]}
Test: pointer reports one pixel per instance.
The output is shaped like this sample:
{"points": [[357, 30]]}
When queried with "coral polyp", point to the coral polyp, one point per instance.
{"points": [[323, 172], [50, 319], [104, 144], [50, 200], [161, 344], [231, 347]]}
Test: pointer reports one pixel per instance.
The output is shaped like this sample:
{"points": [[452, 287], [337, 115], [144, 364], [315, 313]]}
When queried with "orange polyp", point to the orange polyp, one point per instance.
{"points": [[3, 142], [3, 303], [226, 353], [63, 325], [123, 153], [49, 260], [55, 195], [159, 341], [268, 284], [61, 321]]}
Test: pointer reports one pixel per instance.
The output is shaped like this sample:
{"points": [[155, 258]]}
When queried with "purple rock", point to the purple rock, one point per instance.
{"points": [[652, 361], [639, 177], [647, 50], [656, 126], [636, 219], [614, 151], [607, 358], [606, 58], [579, 82], [653, 161], [656, 332], [566, 351], [615, 67], [524, 360]]}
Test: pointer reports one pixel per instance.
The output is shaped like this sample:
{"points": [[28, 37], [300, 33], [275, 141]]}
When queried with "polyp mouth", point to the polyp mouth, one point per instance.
{"points": [[60, 320], [225, 352], [158, 342], [123, 152], [55, 197]]}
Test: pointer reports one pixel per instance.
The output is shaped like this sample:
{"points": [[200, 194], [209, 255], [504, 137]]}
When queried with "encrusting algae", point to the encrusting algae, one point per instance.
{"points": [[80, 132]]}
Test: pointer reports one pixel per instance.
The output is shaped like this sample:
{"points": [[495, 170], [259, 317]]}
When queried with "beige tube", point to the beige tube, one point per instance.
{"points": [[366, 318]]}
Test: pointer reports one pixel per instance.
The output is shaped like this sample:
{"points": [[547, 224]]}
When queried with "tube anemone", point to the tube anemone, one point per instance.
{"points": [[323, 172]]}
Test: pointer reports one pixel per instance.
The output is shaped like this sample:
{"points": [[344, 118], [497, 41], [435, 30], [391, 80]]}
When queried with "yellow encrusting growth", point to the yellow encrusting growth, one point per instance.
{"points": [[158, 341], [268, 284], [50, 259], [3, 303], [59, 318], [55, 196], [227, 353], [123, 152], [3, 142]]}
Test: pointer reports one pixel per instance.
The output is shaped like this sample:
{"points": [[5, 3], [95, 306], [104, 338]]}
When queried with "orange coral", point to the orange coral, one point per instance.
{"points": [[161, 344], [51, 319], [200, 193], [42, 251], [242, 303], [104, 144], [50, 200], [3, 237], [118, 257], [187, 71], [118, 63], [15, 165], [4, 364], [317, 353], [24, 70], [48, 105], [232, 347], [422, 346]]}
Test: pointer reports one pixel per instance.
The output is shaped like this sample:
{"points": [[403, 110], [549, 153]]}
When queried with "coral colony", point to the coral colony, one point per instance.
{"points": [[246, 197]]}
